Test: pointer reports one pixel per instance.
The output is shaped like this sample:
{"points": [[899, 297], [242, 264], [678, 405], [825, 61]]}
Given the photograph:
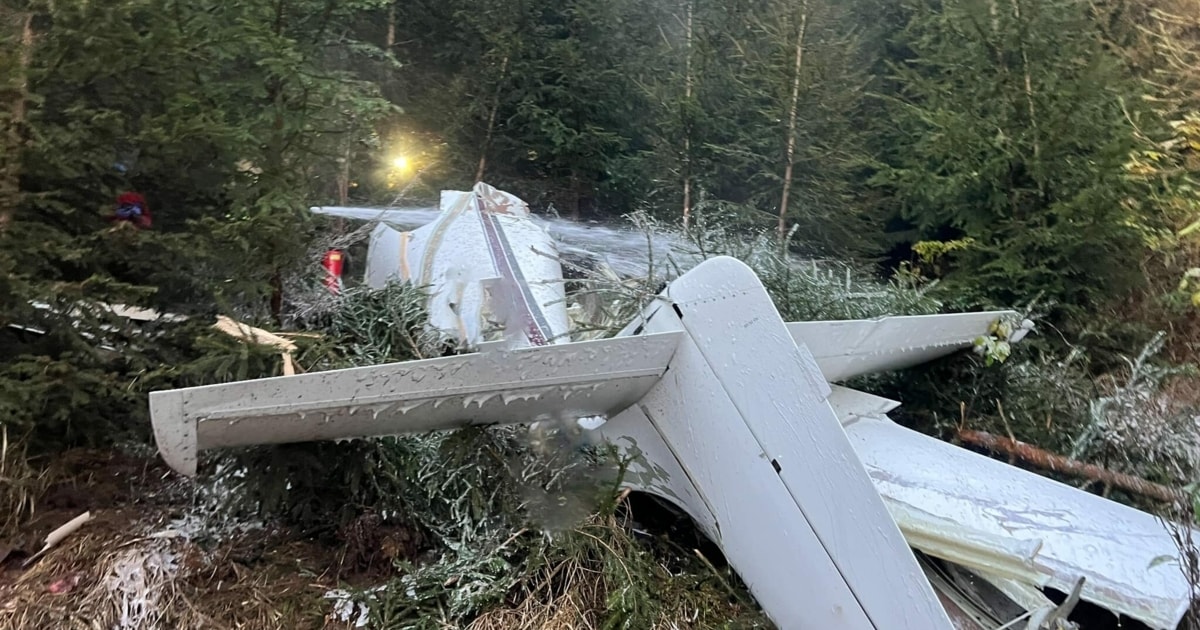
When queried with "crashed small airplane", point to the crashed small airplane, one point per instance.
{"points": [[832, 514]]}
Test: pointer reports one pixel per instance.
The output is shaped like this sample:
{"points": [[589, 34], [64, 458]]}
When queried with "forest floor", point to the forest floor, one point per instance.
{"points": [[135, 564]]}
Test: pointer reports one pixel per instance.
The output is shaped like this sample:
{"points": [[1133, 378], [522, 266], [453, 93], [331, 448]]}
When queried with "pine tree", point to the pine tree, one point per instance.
{"points": [[226, 117], [782, 95], [1006, 142]]}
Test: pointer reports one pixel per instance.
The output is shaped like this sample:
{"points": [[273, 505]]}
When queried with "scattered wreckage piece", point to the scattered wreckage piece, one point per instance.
{"points": [[1007, 523], [1018, 531], [238, 330], [707, 389], [251, 334], [83, 309]]}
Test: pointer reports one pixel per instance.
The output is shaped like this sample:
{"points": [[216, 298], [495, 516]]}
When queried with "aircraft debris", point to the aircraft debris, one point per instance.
{"points": [[817, 499]]}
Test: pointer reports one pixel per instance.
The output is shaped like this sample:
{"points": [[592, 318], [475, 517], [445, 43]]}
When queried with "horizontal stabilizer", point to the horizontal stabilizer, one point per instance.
{"points": [[567, 381], [848, 348]]}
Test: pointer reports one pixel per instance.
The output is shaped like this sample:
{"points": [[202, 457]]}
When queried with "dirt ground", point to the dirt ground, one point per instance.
{"points": [[136, 565]]}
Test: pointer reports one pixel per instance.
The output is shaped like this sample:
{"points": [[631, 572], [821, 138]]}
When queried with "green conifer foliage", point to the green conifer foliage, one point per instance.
{"points": [[224, 115], [1007, 128]]}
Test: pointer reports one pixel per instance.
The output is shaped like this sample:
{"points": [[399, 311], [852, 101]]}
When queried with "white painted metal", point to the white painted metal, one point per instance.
{"points": [[745, 411], [480, 236], [758, 525], [848, 348], [800, 522], [851, 405], [742, 431], [987, 515], [654, 469], [502, 386]]}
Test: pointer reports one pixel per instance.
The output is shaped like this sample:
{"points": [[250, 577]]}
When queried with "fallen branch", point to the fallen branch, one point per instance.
{"points": [[252, 334], [1046, 460]]}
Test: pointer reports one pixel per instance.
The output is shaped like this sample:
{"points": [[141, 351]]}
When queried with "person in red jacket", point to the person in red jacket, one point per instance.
{"points": [[132, 208]]}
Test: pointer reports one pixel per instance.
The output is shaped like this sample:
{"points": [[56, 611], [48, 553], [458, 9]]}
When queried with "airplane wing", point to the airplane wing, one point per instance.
{"points": [[1006, 523], [735, 424]]}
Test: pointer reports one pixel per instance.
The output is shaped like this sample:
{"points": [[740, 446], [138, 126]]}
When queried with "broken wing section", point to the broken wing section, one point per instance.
{"points": [[1016, 525], [567, 381], [848, 348]]}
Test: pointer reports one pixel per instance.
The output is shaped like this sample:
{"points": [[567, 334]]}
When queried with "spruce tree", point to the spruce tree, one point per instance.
{"points": [[1005, 141], [225, 116]]}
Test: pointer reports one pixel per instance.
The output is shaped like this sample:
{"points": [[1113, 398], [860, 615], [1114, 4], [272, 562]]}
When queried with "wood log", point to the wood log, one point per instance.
{"points": [[1046, 460]]}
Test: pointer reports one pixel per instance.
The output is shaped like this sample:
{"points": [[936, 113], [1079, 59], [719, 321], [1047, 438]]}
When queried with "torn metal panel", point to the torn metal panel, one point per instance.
{"points": [[1013, 524], [851, 405], [1026, 596], [964, 610]]}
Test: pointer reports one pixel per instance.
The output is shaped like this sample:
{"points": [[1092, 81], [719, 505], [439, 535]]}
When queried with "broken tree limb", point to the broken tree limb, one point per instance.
{"points": [[1046, 460], [252, 334]]}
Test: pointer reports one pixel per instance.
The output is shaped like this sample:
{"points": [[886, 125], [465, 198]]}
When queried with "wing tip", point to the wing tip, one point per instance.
{"points": [[175, 435]]}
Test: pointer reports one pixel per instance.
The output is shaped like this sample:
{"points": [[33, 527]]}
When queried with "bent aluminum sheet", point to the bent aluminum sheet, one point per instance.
{"points": [[848, 348], [984, 514]]}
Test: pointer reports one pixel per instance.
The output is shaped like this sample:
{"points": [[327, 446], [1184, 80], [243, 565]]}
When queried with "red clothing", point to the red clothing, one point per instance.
{"points": [[132, 207]]}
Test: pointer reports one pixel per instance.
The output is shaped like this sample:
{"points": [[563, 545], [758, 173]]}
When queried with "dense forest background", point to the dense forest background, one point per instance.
{"points": [[1036, 154], [1041, 155], [1015, 150]]}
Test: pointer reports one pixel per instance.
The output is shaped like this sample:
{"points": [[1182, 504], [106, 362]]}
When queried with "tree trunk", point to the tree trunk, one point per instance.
{"points": [[491, 124], [13, 134], [343, 183], [576, 195], [277, 297], [1033, 124], [687, 126], [343, 176], [791, 138], [391, 27]]}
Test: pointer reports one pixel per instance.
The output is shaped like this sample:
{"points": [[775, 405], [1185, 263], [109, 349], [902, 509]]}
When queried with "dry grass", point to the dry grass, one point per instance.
{"points": [[108, 577], [130, 568], [610, 571], [21, 484]]}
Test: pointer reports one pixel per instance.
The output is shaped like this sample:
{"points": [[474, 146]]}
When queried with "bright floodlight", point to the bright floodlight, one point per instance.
{"points": [[400, 162]]}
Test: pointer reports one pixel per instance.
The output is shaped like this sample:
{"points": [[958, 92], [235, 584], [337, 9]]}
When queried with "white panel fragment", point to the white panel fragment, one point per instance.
{"points": [[1017, 524]]}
